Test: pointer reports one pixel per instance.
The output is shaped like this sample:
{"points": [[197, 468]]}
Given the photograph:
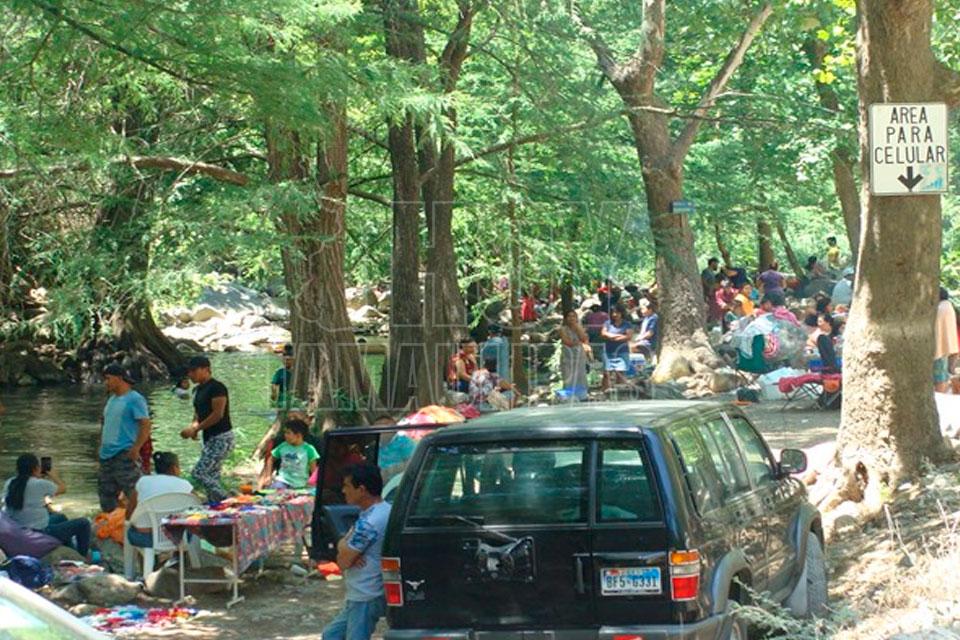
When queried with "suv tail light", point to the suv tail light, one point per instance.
{"points": [[392, 584], [684, 575]]}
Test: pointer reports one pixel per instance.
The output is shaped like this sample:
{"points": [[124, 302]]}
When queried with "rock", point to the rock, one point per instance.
{"points": [[108, 590], [165, 583], [843, 518], [365, 314], [383, 301], [63, 552], [82, 610], [46, 370], [671, 367], [68, 595], [254, 322], [26, 381], [205, 312], [723, 381]]}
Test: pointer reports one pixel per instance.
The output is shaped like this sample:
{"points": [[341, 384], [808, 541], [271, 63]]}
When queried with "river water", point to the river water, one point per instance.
{"points": [[64, 422]]}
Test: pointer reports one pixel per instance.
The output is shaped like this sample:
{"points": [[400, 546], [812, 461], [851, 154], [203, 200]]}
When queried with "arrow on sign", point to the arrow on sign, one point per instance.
{"points": [[910, 181]]}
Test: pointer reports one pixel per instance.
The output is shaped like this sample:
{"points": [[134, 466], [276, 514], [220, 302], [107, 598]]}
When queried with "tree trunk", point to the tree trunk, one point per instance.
{"points": [[683, 339], [889, 421], [722, 246], [792, 260], [6, 263], [681, 304], [135, 326], [404, 41], [764, 245], [844, 182], [443, 309], [846, 187], [328, 368]]}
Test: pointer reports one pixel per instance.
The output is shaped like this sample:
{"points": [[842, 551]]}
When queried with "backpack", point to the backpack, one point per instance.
{"points": [[29, 572]]}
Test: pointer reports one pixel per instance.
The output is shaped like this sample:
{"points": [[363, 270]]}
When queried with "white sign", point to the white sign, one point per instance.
{"points": [[908, 149]]}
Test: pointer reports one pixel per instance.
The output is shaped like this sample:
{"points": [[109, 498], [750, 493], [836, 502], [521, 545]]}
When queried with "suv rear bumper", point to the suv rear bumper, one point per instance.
{"points": [[706, 629]]}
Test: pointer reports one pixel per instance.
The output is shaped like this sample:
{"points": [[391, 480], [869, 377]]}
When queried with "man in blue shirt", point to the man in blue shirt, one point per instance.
{"points": [[497, 348], [126, 428], [358, 555]]}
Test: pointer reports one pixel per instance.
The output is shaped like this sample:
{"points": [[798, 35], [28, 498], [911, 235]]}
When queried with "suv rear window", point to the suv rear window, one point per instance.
{"points": [[496, 483]]}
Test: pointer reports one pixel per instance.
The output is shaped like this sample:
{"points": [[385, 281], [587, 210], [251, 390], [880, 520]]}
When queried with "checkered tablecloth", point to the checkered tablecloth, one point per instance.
{"points": [[256, 529]]}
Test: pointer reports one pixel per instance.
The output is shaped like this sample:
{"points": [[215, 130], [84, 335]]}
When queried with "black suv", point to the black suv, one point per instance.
{"points": [[613, 521]]}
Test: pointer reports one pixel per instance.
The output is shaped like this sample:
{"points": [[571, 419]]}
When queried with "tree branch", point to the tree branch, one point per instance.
{"points": [[168, 163], [372, 197], [58, 14], [605, 60], [165, 163], [719, 82], [455, 51]]}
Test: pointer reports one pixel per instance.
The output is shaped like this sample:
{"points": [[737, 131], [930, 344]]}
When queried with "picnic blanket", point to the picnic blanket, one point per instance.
{"points": [[788, 384], [257, 524]]}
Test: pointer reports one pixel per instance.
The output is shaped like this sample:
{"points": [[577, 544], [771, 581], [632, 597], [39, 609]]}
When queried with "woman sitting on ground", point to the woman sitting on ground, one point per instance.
{"points": [[166, 480], [26, 498], [488, 391]]}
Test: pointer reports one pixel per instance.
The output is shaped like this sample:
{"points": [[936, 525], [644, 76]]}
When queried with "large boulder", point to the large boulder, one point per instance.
{"points": [[61, 553], [106, 590], [723, 381], [671, 367], [165, 582], [205, 312]]}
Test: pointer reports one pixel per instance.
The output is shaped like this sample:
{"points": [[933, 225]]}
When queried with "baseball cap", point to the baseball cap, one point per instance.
{"points": [[114, 369], [198, 362], [848, 272]]}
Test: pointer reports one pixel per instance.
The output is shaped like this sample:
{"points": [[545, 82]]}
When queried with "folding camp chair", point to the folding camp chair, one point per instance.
{"points": [[823, 390]]}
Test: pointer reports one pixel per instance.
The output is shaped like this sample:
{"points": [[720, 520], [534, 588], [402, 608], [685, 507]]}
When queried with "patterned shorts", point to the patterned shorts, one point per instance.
{"points": [[116, 474]]}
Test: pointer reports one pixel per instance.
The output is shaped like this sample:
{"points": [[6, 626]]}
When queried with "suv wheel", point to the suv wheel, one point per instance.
{"points": [[737, 628], [809, 597]]}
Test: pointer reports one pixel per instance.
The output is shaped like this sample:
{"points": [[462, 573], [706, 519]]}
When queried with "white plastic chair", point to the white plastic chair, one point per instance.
{"points": [[150, 514]]}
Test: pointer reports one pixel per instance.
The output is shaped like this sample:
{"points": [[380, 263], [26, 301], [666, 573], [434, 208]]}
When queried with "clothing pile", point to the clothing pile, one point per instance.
{"points": [[129, 617]]}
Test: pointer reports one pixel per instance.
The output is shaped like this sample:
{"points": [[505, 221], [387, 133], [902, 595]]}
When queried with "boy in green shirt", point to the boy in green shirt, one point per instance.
{"points": [[298, 459]]}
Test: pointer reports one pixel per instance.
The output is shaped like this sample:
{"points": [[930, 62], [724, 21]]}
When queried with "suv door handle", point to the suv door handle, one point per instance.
{"points": [[579, 585]]}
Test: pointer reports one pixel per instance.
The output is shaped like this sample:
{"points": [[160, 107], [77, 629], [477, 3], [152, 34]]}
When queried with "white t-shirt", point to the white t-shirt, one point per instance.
{"points": [[160, 483]]}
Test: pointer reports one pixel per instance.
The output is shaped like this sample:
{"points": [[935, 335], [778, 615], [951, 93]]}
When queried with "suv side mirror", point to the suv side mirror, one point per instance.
{"points": [[792, 461]]}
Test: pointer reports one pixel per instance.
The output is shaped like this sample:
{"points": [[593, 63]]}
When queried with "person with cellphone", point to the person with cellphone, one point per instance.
{"points": [[25, 499]]}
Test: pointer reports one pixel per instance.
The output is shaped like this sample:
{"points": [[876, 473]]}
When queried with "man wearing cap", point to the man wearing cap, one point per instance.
{"points": [[126, 430], [843, 290], [211, 415]]}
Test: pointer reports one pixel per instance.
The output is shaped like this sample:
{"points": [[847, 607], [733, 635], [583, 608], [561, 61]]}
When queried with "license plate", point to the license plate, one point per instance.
{"points": [[630, 581]]}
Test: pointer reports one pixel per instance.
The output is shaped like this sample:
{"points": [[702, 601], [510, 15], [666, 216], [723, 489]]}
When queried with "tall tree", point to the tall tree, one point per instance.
{"points": [[889, 423], [443, 308], [661, 156], [407, 353]]}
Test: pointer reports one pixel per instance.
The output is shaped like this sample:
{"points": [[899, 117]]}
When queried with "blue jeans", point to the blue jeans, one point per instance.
{"points": [[356, 621], [75, 533]]}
